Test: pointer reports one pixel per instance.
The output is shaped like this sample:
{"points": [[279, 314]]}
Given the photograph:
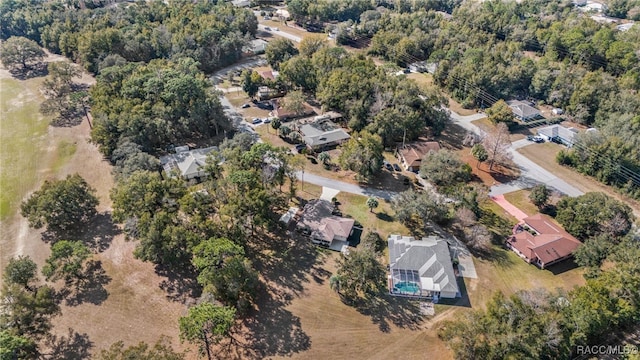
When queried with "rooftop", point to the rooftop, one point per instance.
{"points": [[317, 217], [550, 243], [322, 132], [523, 110], [187, 163], [429, 258], [414, 152]]}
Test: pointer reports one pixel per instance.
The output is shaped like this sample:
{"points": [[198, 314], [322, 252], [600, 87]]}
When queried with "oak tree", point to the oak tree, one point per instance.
{"points": [[63, 205]]}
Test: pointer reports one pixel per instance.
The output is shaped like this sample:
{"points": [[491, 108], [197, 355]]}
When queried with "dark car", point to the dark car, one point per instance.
{"points": [[256, 121], [396, 167], [388, 166], [244, 106]]}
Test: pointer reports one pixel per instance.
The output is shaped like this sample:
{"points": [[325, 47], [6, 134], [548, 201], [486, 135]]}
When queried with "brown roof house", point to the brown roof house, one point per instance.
{"points": [[540, 241], [323, 227], [411, 154], [284, 114]]}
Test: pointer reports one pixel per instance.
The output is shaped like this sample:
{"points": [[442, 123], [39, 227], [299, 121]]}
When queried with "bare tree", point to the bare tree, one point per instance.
{"points": [[497, 144], [478, 237], [466, 217]]}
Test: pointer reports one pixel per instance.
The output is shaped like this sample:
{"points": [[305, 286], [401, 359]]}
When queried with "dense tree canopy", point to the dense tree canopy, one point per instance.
{"points": [[593, 214], [362, 154], [444, 168], [63, 205], [154, 105], [278, 51]]}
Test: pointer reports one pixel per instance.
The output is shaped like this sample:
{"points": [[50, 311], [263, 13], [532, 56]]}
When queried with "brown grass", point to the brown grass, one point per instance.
{"points": [[545, 156]]}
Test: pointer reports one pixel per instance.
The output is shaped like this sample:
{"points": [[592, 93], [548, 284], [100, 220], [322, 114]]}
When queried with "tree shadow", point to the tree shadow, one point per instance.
{"points": [[385, 310], [90, 288], [285, 263], [72, 346], [100, 232], [180, 284], [97, 234], [70, 120], [463, 300], [384, 217], [271, 331], [34, 71]]}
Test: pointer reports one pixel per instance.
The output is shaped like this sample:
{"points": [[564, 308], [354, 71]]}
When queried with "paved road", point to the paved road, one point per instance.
{"points": [[280, 32], [346, 187], [531, 173]]}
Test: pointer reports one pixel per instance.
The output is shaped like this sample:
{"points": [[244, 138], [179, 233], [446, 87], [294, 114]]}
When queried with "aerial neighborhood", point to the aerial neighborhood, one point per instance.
{"points": [[446, 179]]}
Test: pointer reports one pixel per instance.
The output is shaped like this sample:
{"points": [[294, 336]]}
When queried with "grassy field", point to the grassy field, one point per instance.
{"points": [[507, 272], [520, 199], [22, 135]]}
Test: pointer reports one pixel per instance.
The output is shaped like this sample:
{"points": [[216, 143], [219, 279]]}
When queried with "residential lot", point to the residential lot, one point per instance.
{"points": [[545, 156]]}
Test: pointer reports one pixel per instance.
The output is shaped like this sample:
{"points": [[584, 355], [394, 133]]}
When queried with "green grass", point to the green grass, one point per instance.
{"points": [[64, 152], [382, 219], [22, 133], [520, 199]]}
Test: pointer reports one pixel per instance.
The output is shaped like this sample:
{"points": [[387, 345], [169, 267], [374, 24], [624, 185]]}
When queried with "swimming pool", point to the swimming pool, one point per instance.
{"points": [[406, 288]]}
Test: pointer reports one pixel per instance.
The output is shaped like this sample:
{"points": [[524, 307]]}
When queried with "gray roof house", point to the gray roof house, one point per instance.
{"points": [[523, 110], [421, 268], [186, 163], [558, 132], [322, 134]]}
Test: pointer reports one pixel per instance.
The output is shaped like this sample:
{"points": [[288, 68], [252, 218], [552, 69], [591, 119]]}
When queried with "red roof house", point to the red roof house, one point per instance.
{"points": [[542, 242]]}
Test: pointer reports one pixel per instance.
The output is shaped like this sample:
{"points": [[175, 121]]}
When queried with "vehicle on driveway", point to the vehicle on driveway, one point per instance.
{"points": [[396, 167], [267, 28], [536, 139], [388, 166], [300, 147], [266, 120], [244, 106], [256, 121]]}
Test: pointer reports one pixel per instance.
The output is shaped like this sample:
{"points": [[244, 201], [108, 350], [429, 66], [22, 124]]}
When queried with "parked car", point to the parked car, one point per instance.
{"points": [[300, 147], [256, 121], [396, 167], [267, 28], [276, 29], [244, 106], [388, 166], [538, 139], [266, 120]]}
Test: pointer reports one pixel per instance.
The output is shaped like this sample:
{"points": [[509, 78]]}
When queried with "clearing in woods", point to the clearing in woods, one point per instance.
{"points": [[126, 299]]}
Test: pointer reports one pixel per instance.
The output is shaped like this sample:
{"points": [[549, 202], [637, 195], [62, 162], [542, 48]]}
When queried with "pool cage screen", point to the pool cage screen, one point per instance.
{"points": [[402, 276]]}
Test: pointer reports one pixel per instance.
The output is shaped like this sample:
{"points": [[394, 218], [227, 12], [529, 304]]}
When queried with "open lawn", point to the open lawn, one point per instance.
{"points": [[505, 271], [545, 156], [22, 140], [520, 199], [381, 220]]}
